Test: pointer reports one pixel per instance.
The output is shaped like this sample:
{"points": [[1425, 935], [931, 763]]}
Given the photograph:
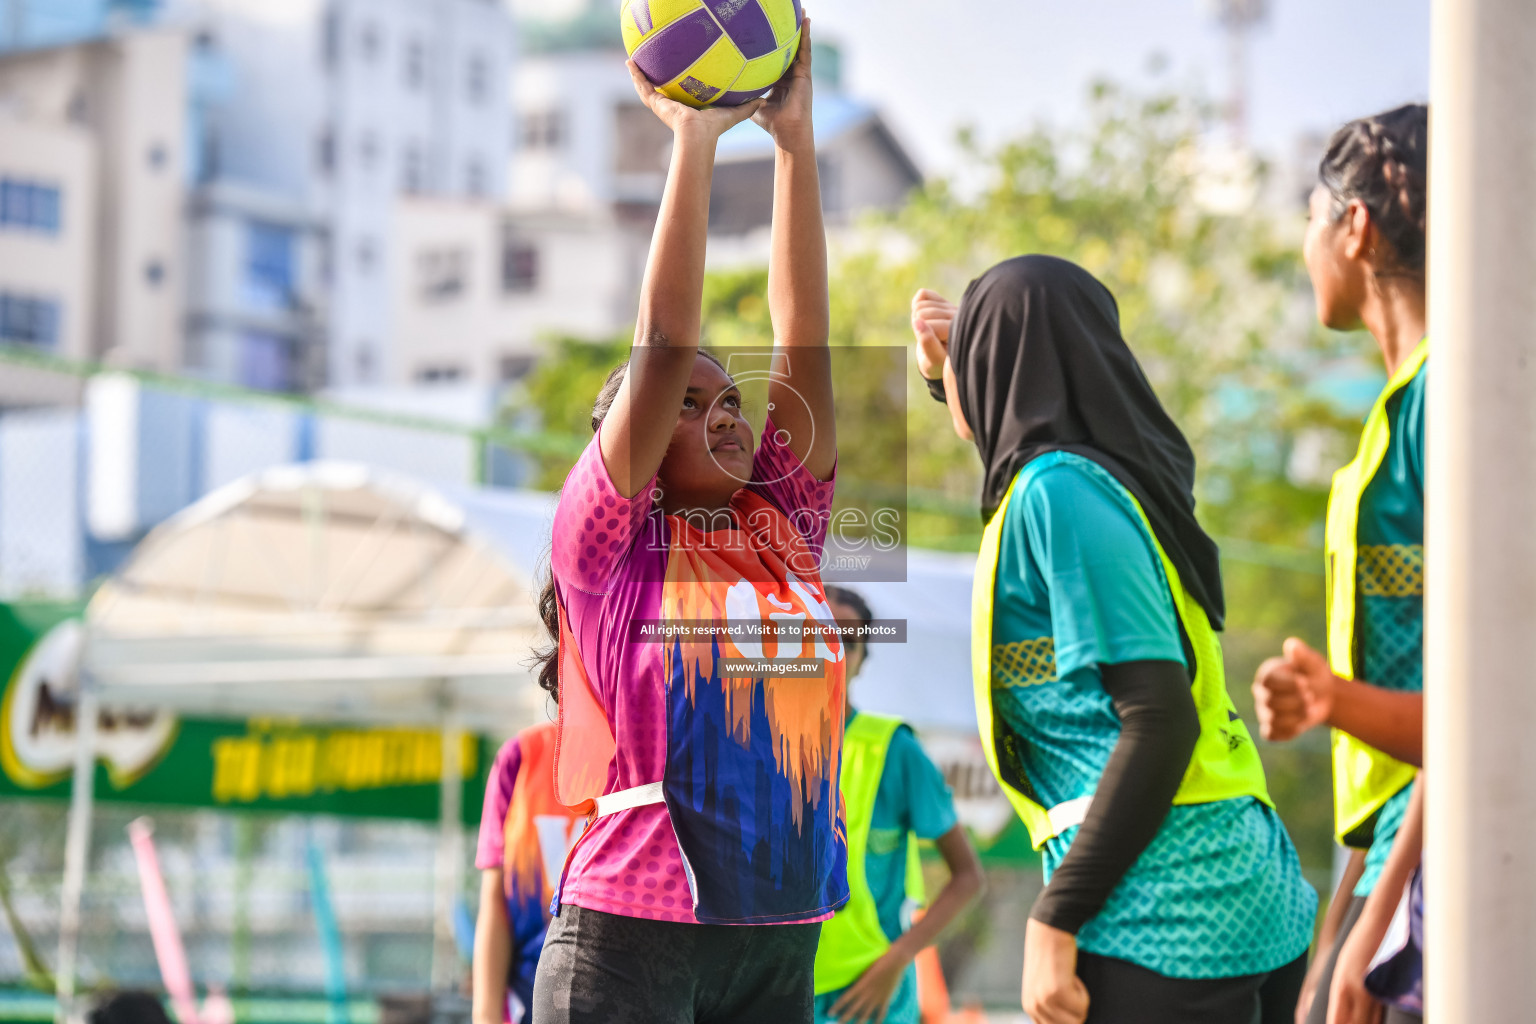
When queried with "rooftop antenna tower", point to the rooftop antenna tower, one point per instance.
{"points": [[1237, 19]]}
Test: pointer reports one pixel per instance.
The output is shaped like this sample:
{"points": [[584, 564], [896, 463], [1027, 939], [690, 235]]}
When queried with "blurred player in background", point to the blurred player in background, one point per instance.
{"points": [[524, 835], [894, 796]]}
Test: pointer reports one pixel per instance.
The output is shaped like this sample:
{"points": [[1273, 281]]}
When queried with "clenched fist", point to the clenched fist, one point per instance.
{"points": [[1294, 692], [932, 315]]}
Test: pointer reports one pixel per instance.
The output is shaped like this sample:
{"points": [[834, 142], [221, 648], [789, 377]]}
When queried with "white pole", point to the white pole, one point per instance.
{"points": [[1480, 656], [77, 848], [450, 856]]}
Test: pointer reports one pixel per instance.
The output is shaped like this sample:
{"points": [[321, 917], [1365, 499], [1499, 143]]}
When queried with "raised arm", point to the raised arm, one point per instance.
{"points": [[800, 391], [639, 427]]}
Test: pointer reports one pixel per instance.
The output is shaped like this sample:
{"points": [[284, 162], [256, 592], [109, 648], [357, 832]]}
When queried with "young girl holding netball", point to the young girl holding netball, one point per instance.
{"points": [[715, 842], [1173, 892]]}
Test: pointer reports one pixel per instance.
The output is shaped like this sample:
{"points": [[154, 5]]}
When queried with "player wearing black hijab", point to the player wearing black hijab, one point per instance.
{"points": [[1173, 892]]}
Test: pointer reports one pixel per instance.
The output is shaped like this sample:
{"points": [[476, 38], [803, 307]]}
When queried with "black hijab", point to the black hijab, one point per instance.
{"points": [[1041, 367]]}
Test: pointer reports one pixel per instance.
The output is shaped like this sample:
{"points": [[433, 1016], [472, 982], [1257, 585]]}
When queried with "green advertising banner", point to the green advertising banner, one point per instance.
{"points": [[152, 757]]}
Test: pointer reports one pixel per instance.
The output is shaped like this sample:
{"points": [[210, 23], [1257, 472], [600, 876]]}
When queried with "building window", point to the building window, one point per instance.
{"points": [[443, 274], [157, 157], [477, 79], [269, 267], [364, 361], [325, 152], [368, 42], [29, 320], [365, 256], [519, 265], [29, 206], [439, 374], [266, 362], [474, 178], [209, 151], [368, 149], [154, 273], [330, 39], [642, 144], [415, 64], [511, 368], [542, 129], [412, 176]]}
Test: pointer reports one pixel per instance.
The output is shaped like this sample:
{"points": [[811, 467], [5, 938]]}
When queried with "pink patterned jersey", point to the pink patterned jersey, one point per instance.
{"points": [[751, 831]]}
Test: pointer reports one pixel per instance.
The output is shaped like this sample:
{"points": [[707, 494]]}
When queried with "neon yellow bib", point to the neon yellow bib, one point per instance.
{"points": [[1363, 777], [853, 938], [1225, 763]]}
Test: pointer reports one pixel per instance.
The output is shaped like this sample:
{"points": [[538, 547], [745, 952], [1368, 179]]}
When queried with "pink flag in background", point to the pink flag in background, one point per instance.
{"points": [[162, 923]]}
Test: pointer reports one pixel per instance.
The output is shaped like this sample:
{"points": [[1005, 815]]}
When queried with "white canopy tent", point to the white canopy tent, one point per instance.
{"points": [[322, 591], [325, 592]]}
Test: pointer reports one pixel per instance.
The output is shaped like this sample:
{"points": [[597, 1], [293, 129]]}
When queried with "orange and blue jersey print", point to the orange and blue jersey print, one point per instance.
{"points": [[751, 830], [750, 758]]}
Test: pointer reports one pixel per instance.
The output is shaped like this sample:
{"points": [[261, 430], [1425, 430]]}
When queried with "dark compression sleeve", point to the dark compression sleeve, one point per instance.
{"points": [[1158, 730]]}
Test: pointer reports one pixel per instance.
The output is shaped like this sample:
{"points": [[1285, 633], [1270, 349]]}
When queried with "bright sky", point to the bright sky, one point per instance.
{"points": [[1003, 64]]}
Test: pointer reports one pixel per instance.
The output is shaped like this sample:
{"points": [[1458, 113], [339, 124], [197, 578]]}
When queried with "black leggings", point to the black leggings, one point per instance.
{"points": [[1120, 992], [1319, 1012], [600, 968]]}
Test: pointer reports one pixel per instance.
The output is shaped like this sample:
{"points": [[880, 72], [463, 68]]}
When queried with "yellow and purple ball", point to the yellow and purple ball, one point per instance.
{"points": [[712, 53]]}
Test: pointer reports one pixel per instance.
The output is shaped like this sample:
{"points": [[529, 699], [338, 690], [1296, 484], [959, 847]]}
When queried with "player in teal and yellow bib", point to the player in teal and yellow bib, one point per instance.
{"points": [[1364, 252], [894, 796], [1173, 893]]}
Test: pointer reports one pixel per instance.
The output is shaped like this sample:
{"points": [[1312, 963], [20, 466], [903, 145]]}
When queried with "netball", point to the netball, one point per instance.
{"points": [[712, 53]]}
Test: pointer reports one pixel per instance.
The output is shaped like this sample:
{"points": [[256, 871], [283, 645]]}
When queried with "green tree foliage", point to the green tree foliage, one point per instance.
{"points": [[560, 391], [1213, 298]]}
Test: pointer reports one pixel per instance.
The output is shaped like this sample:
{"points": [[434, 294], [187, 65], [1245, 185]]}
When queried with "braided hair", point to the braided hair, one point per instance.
{"points": [[546, 659], [1383, 161]]}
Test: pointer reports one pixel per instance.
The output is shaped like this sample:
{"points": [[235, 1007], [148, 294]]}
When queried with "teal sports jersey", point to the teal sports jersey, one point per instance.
{"points": [[1219, 891], [912, 799], [1389, 576]]}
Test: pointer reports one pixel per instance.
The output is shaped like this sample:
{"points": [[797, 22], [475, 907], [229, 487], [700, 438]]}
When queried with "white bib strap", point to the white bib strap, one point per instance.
{"points": [[624, 799], [1072, 812]]}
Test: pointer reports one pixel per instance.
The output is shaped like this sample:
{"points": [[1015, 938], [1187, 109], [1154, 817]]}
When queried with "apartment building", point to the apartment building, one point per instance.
{"points": [[91, 199]]}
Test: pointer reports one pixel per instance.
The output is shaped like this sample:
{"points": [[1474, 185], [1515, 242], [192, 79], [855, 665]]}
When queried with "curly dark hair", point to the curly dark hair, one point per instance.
{"points": [[1383, 161], [546, 659]]}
